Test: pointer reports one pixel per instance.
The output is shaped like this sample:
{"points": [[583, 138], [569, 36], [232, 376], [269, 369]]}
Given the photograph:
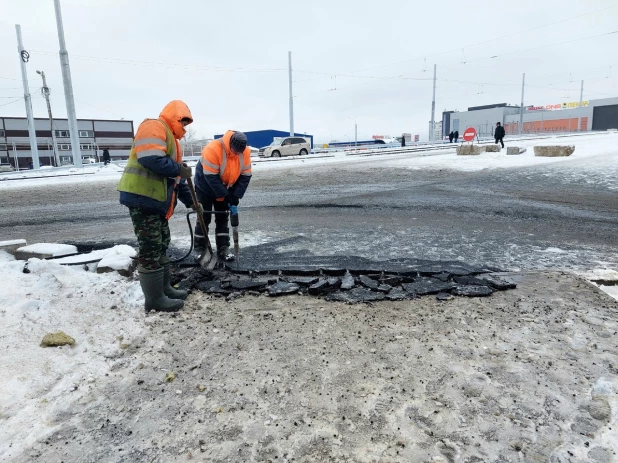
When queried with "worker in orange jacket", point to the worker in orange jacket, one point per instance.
{"points": [[152, 182], [221, 180]]}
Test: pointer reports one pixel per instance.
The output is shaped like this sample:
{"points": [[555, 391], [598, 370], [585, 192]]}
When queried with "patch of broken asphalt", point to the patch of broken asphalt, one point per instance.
{"points": [[529, 374], [265, 269]]}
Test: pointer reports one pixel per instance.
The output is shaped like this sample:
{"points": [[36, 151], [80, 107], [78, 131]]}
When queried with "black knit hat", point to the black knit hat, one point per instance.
{"points": [[238, 142]]}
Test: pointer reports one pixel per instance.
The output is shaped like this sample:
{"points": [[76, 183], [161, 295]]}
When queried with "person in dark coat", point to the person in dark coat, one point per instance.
{"points": [[456, 135], [106, 157], [403, 141], [451, 136], [499, 134]]}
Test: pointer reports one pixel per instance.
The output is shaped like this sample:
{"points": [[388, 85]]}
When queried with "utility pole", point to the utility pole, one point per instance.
{"points": [[581, 101], [355, 135], [291, 97], [45, 91], [23, 59], [432, 135], [521, 109], [68, 89]]}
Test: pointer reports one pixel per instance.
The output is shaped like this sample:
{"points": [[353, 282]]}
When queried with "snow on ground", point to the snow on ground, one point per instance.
{"points": [[49, 249], [588, 148], [38, 386]]}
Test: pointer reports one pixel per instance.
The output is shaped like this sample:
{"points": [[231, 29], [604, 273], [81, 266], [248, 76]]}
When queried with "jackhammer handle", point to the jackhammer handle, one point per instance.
{"points": [[233, 215], [196, 204]]}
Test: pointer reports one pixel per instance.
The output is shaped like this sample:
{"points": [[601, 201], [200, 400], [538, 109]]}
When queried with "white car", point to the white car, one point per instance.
{"points": [[289, 146], [6, 168]]}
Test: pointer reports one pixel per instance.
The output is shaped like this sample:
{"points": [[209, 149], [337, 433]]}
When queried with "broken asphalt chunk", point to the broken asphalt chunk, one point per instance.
{"points": [[302, 281], [283, 287], [425, 285], [356, 296], [248, 284], [368, 282], [398, 294], [212, 287], [486, 280]]}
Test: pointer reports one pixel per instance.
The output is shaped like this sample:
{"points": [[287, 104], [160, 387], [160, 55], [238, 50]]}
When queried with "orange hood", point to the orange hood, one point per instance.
{"points": [[173, 112]]}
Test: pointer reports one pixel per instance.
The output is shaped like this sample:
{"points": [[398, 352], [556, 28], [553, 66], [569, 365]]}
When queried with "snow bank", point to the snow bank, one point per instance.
{"points": [[45, 250], [39, 387]]}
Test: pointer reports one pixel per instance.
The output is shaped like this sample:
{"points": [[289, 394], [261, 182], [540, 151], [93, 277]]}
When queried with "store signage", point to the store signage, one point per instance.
{"points": [[554, 107]]}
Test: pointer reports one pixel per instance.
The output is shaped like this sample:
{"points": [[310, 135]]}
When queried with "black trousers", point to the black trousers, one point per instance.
{"points": [[500, 140], [222, 230]]}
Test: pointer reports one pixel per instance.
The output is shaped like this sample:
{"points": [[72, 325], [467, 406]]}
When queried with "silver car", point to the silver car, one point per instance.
{"points": [[289, 146]]}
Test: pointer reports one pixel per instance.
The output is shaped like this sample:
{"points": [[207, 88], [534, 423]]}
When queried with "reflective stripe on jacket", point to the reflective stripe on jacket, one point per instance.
{"points": [[154, 138], [221, 170]]}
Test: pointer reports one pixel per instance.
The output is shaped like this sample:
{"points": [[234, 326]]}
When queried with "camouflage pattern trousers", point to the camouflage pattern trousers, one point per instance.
{"points": [[153, 237]]}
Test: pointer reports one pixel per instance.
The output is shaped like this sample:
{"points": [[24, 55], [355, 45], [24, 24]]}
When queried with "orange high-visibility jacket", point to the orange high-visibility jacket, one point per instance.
{"points": [[221, 170]]}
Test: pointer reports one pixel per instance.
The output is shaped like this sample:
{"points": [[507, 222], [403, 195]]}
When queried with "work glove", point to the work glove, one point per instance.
{"points": [[232, 200], [200, 208], [185, 171]]}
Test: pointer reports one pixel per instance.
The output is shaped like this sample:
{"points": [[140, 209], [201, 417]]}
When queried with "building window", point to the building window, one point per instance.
{"points": [[86, 147], [1, 133], [62, 133], [86, 134], [64, 147], [3, 148]]}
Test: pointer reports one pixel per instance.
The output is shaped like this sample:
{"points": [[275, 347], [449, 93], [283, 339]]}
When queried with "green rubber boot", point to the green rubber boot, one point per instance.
{"points": [[168, 289], [151, 282]]}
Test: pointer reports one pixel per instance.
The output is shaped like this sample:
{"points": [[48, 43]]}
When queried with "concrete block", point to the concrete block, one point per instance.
{"points": [[553, 151], [469, 150], [44, 250], [515, 150], [12, 245], [493, 148]]}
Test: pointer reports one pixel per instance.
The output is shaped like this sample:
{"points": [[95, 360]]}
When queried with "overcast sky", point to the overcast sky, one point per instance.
{"points": [[367, 60]]}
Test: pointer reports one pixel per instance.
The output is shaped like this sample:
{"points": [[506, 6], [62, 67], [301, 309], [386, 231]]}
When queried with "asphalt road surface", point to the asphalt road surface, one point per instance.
{"points": [[559, 216]]}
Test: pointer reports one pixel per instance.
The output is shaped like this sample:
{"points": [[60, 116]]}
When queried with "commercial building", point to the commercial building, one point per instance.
{"points": [[262, 138], [437, 130], [601, 114], [95, 135]]}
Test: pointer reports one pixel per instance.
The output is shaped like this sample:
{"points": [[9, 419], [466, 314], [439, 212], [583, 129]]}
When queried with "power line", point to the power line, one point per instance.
{"points": [[11, 102]]}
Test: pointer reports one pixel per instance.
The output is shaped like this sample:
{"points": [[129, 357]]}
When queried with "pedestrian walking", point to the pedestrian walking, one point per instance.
{"points": [[106, 157], [451, 136], [499, 134], [456, 135], [221, 180], [152, 182]]}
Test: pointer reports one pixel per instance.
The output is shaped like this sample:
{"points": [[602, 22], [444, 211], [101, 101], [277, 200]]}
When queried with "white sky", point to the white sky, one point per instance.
{"points": [[228, 60]]}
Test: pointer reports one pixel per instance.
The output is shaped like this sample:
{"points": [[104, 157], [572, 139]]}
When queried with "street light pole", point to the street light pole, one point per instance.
{"points": [[291, 96], [23, 59], [45, 91], [355, 132], [68, 89]]}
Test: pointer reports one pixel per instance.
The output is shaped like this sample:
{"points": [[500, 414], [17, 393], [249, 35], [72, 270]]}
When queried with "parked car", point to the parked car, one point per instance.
{"points": [[289, 146], [6, 168], [88, 160]]}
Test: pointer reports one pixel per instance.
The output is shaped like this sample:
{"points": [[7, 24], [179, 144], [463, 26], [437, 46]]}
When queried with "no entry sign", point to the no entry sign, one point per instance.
{"points": [[469, 134]]}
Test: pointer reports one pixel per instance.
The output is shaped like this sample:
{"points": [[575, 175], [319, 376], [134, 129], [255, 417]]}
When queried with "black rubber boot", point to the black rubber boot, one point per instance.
{"points": [[151, 282], [168, 289]]}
